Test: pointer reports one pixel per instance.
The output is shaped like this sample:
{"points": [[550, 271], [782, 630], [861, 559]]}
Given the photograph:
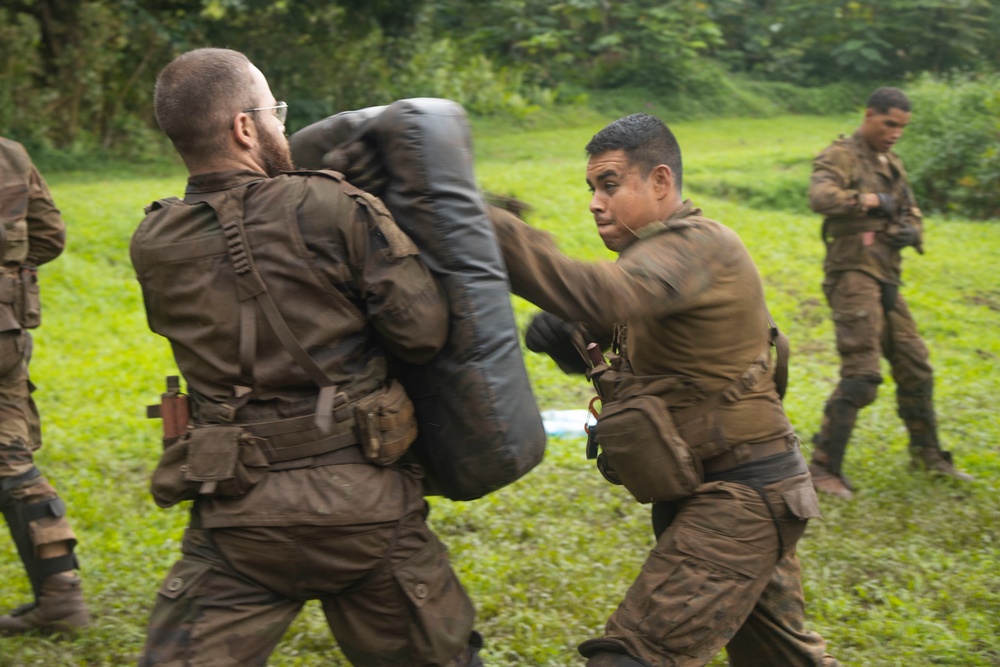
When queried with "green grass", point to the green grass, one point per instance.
{"points": [[905, 575]]}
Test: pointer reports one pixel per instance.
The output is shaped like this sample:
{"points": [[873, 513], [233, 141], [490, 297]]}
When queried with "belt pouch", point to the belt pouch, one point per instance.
{"points": [[223, 460], [642, 446], [387, 425]]}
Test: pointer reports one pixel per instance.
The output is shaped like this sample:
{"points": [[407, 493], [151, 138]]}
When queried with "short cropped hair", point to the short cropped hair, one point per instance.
{"points": [[886, 98], [197, 96], [646, 140]]}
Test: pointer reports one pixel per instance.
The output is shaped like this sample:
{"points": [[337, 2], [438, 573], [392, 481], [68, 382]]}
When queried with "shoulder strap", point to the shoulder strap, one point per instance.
{"points": [[779, 341], [253, 293]]}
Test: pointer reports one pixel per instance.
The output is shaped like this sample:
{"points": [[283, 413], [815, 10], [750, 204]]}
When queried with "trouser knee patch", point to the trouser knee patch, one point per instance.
{"points": [[858, 392]]}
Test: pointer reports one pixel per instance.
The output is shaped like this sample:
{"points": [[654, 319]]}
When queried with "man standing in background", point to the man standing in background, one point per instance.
{"points": [[860, 187], [31, 234]]}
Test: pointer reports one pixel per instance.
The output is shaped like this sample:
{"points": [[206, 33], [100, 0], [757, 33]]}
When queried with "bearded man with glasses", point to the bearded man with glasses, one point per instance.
{"points": [[281, 294]]}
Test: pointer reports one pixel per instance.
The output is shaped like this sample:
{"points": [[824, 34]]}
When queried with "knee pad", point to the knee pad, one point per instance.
{"points": [[858, 392]]}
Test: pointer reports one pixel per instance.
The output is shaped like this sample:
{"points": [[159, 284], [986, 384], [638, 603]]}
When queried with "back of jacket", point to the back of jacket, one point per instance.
{"points": [[349, 285], [856, 239], [337, 275]]}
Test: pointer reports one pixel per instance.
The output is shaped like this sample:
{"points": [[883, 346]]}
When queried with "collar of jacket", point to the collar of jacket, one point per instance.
{"points": [[222, 180], [678, 220]]}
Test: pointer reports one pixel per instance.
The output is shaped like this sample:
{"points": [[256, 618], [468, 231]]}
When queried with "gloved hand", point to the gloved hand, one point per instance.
{"points": [[360, 163], [552, 335], [902, 236], [887, 205]]}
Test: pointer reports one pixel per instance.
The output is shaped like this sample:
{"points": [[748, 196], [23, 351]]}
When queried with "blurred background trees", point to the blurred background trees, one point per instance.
{"points": [[76, 76]]}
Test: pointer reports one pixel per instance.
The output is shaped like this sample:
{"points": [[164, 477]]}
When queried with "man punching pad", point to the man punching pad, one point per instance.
{"points": [[479, 426]]}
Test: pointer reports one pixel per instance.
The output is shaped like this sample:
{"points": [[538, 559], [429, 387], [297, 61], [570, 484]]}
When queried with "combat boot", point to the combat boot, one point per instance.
{"points": [[938, 462], [60, 608]]}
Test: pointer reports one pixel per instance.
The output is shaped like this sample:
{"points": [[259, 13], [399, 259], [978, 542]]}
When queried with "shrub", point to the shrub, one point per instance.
{"points": [[951, 150]]}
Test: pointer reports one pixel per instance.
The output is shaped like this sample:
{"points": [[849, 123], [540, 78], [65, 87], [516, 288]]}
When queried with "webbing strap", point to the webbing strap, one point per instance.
{"points": [[782, 350], [45, 509], [251, 285], [49, 566], [11, 483]]}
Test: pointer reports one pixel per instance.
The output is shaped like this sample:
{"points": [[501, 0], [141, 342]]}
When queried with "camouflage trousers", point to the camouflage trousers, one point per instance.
{"points": [[716, 579], [866, 333], [387, 590], [31, 505]]}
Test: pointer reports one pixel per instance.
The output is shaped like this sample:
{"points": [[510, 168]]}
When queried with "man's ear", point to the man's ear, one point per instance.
{"points": [[663, 180], [244, 131]]}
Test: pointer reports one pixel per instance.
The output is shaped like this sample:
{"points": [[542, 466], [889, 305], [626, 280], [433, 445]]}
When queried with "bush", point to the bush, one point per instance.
{"points": [[951, 150]]}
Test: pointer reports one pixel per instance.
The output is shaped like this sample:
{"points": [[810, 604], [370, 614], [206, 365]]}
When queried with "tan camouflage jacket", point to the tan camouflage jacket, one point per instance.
{"points": [[857, 240], [690, 297], [32, 232]]}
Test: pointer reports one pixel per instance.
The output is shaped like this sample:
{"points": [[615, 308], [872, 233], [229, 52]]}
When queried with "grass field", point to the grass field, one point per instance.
{"points": [[907, 574]]}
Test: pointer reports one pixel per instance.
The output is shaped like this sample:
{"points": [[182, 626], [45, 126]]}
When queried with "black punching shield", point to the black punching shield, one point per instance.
{"points": [[479, 424]]}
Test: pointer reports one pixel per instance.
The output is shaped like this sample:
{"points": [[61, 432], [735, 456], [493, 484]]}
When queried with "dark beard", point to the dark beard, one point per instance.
{"points": [[275, 155]]}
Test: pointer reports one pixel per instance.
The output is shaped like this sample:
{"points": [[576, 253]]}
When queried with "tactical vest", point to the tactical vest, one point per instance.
{"points": [[193, 257]]}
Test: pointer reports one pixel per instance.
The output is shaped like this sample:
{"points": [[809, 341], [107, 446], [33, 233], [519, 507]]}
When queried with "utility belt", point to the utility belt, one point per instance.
{"points": [[227, 459], [845, 226], [660, 436]]}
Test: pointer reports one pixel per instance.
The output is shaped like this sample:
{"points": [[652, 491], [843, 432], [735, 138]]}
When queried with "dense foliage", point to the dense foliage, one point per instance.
{"points": [[76, 76], [952, 147]]}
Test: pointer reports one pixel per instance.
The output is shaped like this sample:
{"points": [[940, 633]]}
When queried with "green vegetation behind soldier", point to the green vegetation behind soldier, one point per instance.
{"points": [[32, 234], [870, 216], [687, 305], [281, 293]]}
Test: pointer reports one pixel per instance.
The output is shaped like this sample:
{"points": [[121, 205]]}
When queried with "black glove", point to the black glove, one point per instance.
{"points": [[902, 236], [552, 335], [887, 205], [360, 163]]}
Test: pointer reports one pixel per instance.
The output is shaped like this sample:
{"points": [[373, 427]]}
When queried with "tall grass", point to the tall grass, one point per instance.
{"points": [[904, 575]]}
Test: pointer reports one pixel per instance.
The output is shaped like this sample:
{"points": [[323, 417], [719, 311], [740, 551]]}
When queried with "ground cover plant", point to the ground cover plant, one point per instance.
{"points": [[904, 575]]}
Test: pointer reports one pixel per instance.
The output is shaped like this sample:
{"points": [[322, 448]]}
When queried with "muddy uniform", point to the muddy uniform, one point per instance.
{"points": [[724, 572], [32, 234], [321, 522], [870, 317]]}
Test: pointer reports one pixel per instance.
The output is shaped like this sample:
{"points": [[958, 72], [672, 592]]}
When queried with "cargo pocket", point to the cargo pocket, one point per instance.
{"points": [[177, 611], [442, 611], [855, 331], [802, 502], [183, 578], [702, 596]]}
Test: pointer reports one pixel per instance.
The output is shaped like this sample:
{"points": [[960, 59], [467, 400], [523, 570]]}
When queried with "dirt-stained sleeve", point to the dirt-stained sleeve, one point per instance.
{"points": [[599, 294], [831, 187], [404, 302], [46, 229]]}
